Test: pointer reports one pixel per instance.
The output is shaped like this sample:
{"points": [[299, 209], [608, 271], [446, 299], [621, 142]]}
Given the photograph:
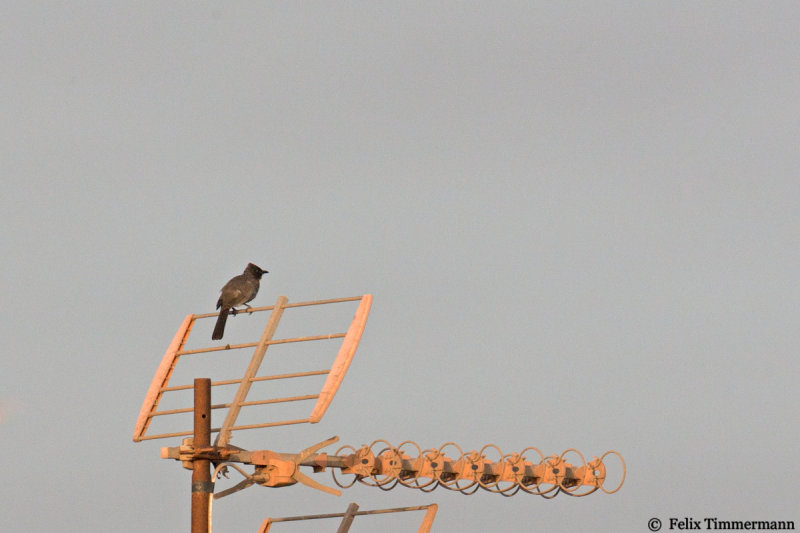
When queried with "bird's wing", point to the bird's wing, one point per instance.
{"points": [[234, 297]]}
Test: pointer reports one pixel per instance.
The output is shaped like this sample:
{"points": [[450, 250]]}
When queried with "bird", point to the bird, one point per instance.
{"points": [[238, 291]]}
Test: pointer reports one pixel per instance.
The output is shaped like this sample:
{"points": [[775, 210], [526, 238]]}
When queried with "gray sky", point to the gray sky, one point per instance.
{"points": [[579, 222]]}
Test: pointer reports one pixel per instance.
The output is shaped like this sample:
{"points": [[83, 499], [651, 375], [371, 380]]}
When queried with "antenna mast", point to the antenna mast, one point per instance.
{"points": [[379, 464]]}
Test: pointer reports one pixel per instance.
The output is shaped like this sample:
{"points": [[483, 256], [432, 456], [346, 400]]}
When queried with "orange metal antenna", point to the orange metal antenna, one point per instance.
{"points": [[379, 464], [352, 512]]}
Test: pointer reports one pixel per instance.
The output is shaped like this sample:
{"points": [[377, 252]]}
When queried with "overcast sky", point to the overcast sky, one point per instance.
{"points": [[579, 222]]}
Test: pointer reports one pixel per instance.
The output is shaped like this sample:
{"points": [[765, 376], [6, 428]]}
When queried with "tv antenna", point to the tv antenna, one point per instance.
{"points": [[379, 464]]}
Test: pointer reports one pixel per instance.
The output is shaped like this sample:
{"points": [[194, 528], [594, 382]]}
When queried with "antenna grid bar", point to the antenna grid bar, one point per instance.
{"points": [[269, 343], [259, 378]]}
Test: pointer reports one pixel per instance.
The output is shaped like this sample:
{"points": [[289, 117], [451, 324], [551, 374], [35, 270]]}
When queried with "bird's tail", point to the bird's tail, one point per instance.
{"points": [[219, 329]]}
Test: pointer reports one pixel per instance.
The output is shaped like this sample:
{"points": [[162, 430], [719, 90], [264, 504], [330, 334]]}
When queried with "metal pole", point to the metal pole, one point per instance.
{"points": [[202, 488], [347, 521]]}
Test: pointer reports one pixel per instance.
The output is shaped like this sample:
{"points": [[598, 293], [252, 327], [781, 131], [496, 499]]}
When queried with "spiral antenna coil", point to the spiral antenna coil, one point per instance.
{"points": [[382, 465]]}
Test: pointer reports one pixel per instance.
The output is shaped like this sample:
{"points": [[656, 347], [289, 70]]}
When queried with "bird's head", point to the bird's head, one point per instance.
{"points": [[257, 271]]}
